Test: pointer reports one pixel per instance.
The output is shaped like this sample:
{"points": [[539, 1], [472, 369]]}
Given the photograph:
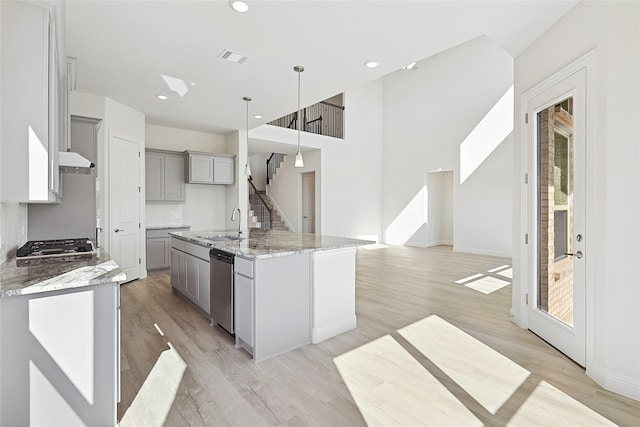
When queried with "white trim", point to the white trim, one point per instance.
{"points": [[520, 313], [627, 386]]}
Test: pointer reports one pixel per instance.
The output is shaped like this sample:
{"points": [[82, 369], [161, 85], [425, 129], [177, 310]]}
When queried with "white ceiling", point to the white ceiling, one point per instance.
{"points": [[123, 48]]}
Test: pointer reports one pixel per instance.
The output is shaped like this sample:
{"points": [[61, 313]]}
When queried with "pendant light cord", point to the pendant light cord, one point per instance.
{"points": [[299, 121]]}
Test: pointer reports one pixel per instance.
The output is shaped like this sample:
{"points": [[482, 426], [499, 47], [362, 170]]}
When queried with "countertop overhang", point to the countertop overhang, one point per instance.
{"points": [[53, 276], [257, 243]]}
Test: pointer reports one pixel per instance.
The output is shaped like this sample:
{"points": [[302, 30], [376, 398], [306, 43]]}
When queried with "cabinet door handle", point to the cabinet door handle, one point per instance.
{"points": [[118, 230]]}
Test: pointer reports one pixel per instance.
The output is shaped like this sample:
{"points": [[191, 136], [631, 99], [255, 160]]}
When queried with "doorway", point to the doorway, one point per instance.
{"points": [[439, 209], [309, 202], [557, 207]]}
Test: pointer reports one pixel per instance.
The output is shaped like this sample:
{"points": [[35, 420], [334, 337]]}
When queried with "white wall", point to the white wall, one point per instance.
{"points": [[237, 194], [428, 113], [119, 120], [612, 235], [204, 207], [285, 189], [258, 164]]}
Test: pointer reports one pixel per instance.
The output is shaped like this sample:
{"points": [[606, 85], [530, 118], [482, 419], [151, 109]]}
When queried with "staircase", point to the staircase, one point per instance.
{"points": [[259, 216]]}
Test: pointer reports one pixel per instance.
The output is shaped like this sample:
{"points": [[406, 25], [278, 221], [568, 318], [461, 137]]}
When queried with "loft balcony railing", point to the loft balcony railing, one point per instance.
{"points": [[323, 118]]}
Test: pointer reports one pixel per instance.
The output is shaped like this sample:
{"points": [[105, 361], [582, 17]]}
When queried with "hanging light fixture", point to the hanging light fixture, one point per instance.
{"points": [[247, 167], [299, 162]]}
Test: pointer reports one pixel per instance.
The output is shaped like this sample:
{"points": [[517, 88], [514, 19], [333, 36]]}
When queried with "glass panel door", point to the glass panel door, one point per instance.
{"points": [[555, 210], [556, 194]]}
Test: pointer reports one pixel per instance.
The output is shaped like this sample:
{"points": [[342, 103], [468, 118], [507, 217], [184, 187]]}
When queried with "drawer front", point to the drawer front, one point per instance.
{"points": [[197, 250], [177, 243], [244, 266]]}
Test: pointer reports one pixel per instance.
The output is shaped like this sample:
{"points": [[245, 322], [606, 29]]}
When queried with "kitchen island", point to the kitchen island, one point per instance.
{"points": [[291, 289], [60, 341]]}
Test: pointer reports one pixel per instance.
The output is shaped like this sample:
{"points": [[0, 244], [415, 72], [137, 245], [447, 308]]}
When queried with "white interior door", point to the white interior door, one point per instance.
{"points": [[557, 204], [309, 202], [124, 205]]}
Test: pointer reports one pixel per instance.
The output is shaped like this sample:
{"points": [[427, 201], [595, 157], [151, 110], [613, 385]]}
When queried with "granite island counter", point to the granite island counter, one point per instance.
{"points": [[290, 289], [60, 341]]}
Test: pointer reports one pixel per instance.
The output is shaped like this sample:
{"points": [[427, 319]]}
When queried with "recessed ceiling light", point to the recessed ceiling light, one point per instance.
{"points": [[410, 66], [239, 6], [257, 116], [162, 97], [371, 64]]}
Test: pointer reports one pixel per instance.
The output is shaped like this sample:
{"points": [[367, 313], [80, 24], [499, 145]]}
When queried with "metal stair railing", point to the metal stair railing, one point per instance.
{"points": [[273, 163]]}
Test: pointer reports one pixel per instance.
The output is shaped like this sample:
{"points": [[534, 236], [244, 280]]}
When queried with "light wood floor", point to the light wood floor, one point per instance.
{"points": [[427, 351]]}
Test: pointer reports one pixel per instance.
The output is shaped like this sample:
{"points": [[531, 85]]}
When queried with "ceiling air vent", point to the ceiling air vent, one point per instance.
{"points": [[232, 56]]}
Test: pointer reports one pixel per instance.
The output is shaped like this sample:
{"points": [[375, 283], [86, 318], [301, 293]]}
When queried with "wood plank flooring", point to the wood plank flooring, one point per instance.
{"points": [[427, 351]]}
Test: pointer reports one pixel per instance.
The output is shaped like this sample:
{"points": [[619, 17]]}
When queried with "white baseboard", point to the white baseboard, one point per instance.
{"points": [[626, 386], [319, 334], [482, 252]]}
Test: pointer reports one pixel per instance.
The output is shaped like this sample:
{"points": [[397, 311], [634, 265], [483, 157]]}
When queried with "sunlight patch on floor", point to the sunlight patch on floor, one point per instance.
{"points": [[390, 387], [493, 270], [155, 398], [487, 285], [548, 406], [467, 279], [488, 376], [506, 273]]}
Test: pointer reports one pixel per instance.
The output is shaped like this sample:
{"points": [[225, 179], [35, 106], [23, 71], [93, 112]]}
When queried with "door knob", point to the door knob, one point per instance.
{"points": [[117, 230], [579, 255], [579, 237]]}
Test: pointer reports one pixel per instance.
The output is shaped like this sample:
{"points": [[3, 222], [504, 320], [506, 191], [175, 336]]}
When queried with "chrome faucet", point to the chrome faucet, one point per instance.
{"points": [[233, 218]]}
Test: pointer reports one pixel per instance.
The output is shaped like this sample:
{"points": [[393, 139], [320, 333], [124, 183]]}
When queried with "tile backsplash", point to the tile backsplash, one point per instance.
{"points": [[13, 228], [164, 214]]}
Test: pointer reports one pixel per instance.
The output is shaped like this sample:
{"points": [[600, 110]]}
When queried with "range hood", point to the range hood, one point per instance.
{"points": [[70, 162]]}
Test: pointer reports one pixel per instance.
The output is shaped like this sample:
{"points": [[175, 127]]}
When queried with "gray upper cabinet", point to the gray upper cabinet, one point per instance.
{"points": [[164, 176], [209, 168]]}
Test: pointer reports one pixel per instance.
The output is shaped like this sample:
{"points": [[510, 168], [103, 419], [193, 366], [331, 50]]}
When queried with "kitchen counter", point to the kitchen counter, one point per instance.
{"points": [[52, 276], [269, 243], [167, 227]]}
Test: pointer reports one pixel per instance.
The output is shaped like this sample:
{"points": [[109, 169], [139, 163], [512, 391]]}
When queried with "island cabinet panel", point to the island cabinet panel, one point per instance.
{"points": [[282, 302], [244, 312], [334, 297], [61, 357], [190, 272]]}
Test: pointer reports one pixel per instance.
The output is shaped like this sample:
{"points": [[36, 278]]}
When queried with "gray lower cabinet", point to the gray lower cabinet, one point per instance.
{"points": [[190, 272], [164, 176], [159, 247]]}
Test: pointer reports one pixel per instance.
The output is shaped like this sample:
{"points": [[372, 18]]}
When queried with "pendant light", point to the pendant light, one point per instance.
{"points": [[247, 166], [299, 162]]}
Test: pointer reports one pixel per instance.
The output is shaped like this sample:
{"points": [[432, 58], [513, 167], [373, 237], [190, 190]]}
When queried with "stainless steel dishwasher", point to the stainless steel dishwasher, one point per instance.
{"points": [[222, 289]]}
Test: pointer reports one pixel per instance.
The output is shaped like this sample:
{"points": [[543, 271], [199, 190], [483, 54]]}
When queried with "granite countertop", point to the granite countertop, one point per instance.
{"points": [[268, 243], [166, 227], [53, 276]]}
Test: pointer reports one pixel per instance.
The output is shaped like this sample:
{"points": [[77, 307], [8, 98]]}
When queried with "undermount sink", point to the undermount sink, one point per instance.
{"points": [[221, 238]]}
